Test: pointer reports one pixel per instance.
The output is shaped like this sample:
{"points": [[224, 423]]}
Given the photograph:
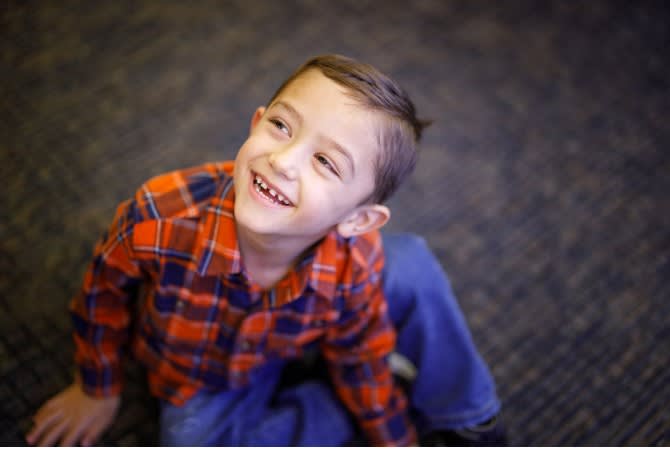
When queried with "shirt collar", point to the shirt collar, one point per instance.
{"points": [[316, 271], [218, 253]]}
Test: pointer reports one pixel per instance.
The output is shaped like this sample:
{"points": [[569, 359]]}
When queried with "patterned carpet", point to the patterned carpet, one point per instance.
{"points": [[543, 185]]}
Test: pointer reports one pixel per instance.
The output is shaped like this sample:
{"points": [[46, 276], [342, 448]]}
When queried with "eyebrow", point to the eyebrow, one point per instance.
{"points": [[291, 110], [329, 141]]}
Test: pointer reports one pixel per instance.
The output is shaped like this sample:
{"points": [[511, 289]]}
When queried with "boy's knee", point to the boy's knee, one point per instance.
{"points": [[406, 242], [406, 246], [409, 256]]}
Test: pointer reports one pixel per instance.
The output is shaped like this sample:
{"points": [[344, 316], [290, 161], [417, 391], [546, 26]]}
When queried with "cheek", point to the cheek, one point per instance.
{"points": [[249, 149], [240, 157], [329, 201]]}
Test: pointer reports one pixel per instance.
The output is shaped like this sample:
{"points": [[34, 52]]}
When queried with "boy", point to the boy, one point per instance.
{"points": [[253, 264]]}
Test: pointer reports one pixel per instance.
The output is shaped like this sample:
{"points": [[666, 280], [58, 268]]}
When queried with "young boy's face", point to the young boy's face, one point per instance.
{"points": [[308, 161]]}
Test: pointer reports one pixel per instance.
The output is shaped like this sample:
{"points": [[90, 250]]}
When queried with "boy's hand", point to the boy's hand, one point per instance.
{"points": [[72, 417]]}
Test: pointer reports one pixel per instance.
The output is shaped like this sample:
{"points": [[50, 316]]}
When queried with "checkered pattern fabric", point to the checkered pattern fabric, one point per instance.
{"points": [[205, 324]]}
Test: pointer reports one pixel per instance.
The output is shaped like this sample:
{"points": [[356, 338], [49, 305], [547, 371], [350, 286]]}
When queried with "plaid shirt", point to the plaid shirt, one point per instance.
{"points": [[203, 324]]}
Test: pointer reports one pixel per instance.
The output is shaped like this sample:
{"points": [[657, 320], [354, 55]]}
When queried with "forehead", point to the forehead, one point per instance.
{"points": [[312, 86]]}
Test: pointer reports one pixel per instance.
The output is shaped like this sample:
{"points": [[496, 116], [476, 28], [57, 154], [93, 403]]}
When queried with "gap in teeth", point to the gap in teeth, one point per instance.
{"points": [[262, 187]]}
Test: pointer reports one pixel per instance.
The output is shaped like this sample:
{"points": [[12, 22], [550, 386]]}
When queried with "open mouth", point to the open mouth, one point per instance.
{"points": [[268, 192]]}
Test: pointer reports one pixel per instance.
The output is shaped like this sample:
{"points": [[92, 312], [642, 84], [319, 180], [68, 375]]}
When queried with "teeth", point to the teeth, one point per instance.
{"points": [[263, 187]]}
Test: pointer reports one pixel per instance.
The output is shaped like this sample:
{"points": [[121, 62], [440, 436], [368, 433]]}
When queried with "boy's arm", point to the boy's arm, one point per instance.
{"points": [[101, 311], [357, 351]]}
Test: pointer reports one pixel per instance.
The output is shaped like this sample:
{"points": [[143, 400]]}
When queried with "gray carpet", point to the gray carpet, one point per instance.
{"points": [[542, 186]]}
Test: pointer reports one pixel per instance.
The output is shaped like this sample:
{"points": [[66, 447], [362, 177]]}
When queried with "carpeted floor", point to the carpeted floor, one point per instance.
{"points": [[543, 185]]}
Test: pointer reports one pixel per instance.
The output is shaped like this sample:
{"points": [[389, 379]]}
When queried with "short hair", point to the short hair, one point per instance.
{"points": [[399, 133]]}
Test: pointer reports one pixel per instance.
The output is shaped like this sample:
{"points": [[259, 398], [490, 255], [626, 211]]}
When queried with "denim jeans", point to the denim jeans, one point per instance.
{"points": [[453, 388]]}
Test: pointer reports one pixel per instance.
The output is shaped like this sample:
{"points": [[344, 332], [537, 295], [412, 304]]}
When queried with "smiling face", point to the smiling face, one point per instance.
{"points": [[307, 164]]}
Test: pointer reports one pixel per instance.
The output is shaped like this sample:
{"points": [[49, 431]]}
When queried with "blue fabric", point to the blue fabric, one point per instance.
{"points": [[453, 388], [308, 414]]}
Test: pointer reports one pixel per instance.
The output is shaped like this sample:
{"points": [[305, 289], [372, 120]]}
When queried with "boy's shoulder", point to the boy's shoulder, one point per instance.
{"points": [[357, 257], [182, 193]]}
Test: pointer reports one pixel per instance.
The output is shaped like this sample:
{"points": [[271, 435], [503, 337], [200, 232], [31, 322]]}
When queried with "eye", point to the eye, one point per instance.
{"points": [[323, 160], [280, 126]]}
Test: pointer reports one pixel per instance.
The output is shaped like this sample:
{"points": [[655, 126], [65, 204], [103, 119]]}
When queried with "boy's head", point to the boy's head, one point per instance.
{"points": [[334, 142], [398, 132]]}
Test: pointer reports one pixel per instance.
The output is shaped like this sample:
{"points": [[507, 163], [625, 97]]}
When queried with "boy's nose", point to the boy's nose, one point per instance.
{"points": [[285, 162]]}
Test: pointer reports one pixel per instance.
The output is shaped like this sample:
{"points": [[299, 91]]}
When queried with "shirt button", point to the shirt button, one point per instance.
{"points": [[245, 345], [179, 306], [318, 323]]}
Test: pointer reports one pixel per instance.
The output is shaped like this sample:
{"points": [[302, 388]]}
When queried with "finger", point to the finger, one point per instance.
{"points": [[93, 432], [48, 408], [44, 418], [73, 434], [54, 433]]}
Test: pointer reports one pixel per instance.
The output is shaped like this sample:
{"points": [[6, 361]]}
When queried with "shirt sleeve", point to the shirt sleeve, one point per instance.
{"points": [[357, 351], [101, 309]]}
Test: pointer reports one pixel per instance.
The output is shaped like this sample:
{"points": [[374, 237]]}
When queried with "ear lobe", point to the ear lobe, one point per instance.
{"points": [[258, 115], [364, 219]]}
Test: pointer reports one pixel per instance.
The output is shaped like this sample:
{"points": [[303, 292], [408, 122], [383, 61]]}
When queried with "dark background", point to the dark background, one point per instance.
{"points": [[542, 186]]}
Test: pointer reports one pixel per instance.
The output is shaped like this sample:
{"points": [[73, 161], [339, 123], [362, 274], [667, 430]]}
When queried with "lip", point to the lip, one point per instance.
{"points": [[271, 186]]}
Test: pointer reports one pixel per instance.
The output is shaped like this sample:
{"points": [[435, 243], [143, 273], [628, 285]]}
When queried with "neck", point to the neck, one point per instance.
{"points": [[267, 259]]}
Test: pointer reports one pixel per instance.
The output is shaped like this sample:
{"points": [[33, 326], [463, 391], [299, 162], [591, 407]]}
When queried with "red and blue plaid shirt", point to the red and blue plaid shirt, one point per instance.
{"points": [[203, 324]]}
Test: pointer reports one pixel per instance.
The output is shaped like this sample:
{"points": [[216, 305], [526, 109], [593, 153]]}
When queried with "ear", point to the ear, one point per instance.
{"points": [[364, 219], [258, 115]]}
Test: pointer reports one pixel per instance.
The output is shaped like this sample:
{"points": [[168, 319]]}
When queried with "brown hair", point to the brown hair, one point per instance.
{"points": [[402, 130]]}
